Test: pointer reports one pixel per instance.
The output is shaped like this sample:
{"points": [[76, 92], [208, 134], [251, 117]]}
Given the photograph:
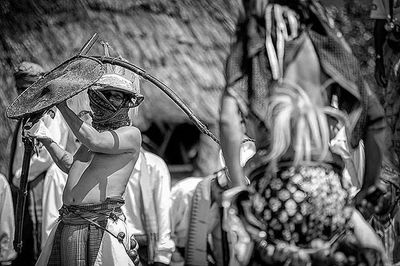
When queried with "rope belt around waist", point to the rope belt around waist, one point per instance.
{"points": [[93, 214]]}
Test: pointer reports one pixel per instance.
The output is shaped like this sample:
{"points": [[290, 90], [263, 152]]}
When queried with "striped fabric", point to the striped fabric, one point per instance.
{"points": [[77, 240], [76, 244]]}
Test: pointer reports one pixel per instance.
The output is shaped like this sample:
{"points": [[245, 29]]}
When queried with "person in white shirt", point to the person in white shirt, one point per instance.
{"points": [[147, 208], [196, 216], [46, 180], [7, 227]]}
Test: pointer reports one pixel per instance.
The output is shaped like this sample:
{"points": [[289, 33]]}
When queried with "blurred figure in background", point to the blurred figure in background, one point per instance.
{"points": [[298, 202], [147, 209], [25, 75], [196, 214], [7, 226]]}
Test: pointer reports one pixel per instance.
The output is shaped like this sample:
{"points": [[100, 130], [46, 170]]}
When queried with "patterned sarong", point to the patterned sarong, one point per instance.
{"points": [[79, 238]]}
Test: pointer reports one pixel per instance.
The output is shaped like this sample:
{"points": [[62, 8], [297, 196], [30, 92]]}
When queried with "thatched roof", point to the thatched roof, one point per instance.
{"points": [[183, 43]]}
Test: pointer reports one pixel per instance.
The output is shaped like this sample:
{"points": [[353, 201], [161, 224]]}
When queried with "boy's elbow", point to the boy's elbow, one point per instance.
{"points": [[95, 143], [65, 162], [92, 145]]}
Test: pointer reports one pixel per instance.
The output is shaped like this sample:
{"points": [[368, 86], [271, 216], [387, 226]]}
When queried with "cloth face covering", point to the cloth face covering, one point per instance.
{"points": [[105, 115]]}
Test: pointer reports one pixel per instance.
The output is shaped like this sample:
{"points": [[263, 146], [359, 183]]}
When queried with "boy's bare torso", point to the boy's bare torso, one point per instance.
{"points": [[95, 176]]}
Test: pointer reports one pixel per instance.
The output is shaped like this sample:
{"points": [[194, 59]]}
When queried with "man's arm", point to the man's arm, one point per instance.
{"points": [[57, 131], [62, 158], [126, 139], [39, 163], [231, 137]]}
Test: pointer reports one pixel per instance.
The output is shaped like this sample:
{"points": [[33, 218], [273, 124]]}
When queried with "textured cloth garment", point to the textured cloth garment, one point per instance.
{"points": [[181, 200], [299, 205], [76, 244], [196, 247], [159, 183], [182, 197], [79, 238], [105, 115], [7, 226], [53, 187]]}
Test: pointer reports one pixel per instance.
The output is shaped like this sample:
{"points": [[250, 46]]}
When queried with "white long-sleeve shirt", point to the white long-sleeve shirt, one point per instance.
{"points": [[160, 181], [39, 163], [53, 188], [7, 226]]}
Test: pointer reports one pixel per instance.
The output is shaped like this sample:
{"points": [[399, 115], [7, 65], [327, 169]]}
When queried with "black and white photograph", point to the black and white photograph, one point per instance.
{"points": [[200, 133]]}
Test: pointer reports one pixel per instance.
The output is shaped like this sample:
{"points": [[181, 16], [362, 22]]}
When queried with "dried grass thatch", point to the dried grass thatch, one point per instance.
{"points": [[183, 43]]}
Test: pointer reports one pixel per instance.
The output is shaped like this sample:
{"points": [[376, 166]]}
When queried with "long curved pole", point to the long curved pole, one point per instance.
{"points": [[171, 94]]}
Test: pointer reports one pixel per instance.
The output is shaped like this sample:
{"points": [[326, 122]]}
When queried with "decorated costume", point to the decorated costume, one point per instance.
{"points": [[297, 209]]}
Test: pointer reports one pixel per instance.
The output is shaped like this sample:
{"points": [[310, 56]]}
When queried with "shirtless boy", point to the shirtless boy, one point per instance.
{"points": [[91, 228]]}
